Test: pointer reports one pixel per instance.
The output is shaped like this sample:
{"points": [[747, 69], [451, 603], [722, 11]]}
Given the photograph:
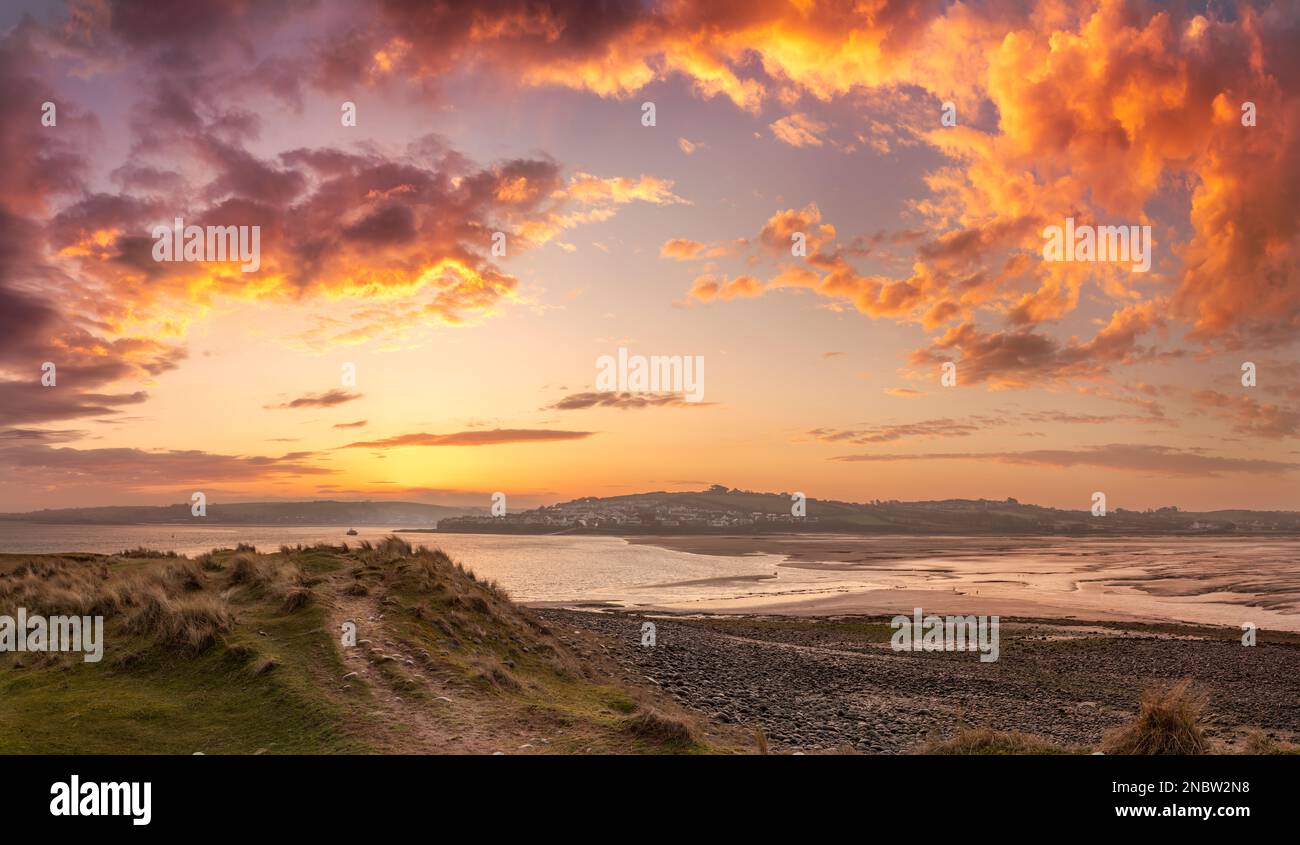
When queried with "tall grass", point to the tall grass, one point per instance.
{"points": [[1168, 722]]}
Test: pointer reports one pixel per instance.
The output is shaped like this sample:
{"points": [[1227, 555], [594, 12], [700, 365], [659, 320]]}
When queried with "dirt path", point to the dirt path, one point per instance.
{"points": [[417, 708]]}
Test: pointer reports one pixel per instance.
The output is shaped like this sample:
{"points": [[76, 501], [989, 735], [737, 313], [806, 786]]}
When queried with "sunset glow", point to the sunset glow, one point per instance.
{"points": [[476, 358]]}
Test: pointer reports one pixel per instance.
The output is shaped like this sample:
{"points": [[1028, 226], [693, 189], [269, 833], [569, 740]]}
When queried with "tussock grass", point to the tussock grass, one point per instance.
{"points": [[191, 623], [186, 576], [989, 741], [1168, 722], [142, 552], [171, 604], [1258, 742], [244, 569], [653, 725], [278, 578], [55, 586]]}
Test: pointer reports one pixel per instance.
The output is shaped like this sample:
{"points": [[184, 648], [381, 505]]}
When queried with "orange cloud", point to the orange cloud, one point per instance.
{"points": [[709, 287]]}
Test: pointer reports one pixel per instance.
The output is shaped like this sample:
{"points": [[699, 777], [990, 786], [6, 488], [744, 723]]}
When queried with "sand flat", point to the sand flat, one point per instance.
{"points": [[1226, 580]]}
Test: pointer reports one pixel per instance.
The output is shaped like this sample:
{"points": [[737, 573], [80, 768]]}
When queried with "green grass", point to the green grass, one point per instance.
{"points": [[164, 704], [148, 698]]}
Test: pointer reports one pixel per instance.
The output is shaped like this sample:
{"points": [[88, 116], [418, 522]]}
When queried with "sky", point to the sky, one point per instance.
{"points": [[917, 149]]}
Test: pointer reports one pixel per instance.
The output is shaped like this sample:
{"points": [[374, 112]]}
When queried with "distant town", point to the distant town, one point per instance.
{"points": [[597, 515], [720, 510]]}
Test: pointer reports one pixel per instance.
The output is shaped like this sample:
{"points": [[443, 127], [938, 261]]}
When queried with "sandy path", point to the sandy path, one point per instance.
{"points": [[431, 715]]}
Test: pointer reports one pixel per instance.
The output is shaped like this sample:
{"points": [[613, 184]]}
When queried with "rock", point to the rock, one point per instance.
{"points": [[349, 676]]}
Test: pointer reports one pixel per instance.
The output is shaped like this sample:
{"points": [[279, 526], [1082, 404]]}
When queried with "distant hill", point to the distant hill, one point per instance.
{"points": [[254, 513], [719, 509]]}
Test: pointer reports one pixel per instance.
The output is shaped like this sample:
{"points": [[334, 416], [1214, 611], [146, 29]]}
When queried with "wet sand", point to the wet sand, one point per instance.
{"points": [[1225, 581]]}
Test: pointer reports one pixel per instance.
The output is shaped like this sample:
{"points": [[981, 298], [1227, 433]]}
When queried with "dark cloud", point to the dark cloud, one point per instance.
{"points": [[495, 437], [36, 435], [900, 431], [1250, 416], [1145, 459], [328, 399], [622, 401], [130, 469], [1020, 357], [30, 402]]}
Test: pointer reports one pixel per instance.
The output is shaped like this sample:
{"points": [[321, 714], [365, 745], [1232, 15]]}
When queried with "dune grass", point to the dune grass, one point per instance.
{"points": [[180, 666], [234, 652]]}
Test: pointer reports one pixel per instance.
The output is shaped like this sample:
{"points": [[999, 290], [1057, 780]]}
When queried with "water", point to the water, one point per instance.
{"points": [[1215, 580], [531, 568]]}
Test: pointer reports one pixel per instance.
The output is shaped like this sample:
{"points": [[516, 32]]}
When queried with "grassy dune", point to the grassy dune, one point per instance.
{"points": [[241, 652]]}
